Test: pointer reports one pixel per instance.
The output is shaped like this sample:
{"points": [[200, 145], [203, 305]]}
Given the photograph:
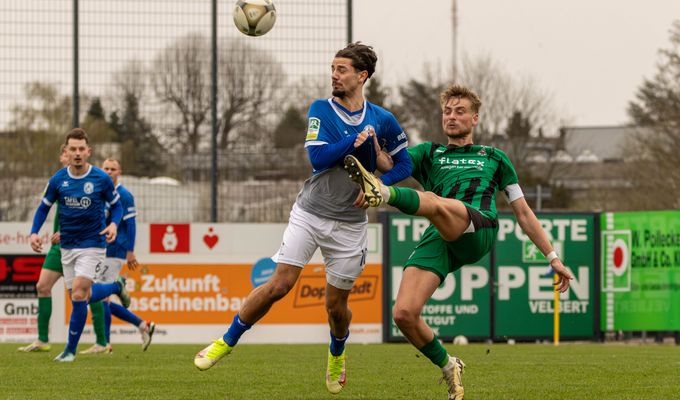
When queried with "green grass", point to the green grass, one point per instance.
{"points": [[385, 371]]}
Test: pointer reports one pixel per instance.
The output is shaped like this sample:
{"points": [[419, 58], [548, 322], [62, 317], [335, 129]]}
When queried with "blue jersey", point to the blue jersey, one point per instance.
{"points": [[331, 132], [125, 240], [82, 206], [329, 122]]}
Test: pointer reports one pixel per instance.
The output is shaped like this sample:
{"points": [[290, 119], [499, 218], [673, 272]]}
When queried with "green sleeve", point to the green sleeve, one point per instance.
{"points": [[508, 173]]}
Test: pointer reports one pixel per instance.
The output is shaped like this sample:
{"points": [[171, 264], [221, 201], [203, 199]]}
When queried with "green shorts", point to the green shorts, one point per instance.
{"points": [[53, 260], [435, 254]]}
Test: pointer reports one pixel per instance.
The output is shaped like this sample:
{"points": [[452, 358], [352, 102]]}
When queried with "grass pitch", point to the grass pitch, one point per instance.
{"points": [[382, 371]]}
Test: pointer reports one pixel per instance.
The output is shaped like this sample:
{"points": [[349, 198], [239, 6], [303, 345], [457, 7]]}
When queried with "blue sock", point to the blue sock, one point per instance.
{"points": [[76, 325], [338, 345], [107, 320], [103, 290], [124, 314], [235, 331]]}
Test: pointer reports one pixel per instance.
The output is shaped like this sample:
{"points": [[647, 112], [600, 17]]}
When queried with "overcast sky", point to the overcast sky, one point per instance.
{"points": [[591, 55]]}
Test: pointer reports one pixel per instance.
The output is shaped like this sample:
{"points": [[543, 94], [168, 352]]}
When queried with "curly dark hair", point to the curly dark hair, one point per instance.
{"points": [[363, 57]]}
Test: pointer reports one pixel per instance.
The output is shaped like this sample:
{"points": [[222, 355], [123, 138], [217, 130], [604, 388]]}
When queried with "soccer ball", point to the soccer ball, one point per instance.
{"points": [[254, 17], [460, 340]]}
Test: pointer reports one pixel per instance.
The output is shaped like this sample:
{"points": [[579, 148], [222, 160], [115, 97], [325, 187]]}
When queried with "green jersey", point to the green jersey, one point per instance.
{"points": [[472, 174]]}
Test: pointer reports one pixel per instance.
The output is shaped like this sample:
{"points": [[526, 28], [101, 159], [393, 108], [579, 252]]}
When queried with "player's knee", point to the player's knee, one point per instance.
{"points": [[79, 295], [404, 317], [44, 289]]}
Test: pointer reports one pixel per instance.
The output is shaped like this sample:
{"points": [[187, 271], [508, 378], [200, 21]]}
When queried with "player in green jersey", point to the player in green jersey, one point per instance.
{"points": [[49, 275], [461, 180]]}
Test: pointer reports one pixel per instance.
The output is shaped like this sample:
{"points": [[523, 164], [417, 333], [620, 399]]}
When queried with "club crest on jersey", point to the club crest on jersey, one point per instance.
{"points": [[313, 129], [368, 127], [482, 152], [88, 188]]}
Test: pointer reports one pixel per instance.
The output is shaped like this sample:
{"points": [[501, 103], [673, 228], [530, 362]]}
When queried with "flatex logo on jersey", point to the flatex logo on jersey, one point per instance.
{"points": [[169, 238], [465, 163]]}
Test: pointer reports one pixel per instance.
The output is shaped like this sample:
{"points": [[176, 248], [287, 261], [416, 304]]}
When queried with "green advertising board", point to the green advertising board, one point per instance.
{"points": [[524, 298], [460, 306], [640, 281]]}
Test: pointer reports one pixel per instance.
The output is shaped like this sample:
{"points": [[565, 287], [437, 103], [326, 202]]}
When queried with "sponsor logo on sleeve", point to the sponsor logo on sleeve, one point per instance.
{"points": [[313, 129]]}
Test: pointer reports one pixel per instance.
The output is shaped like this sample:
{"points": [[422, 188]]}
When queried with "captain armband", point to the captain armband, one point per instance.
{"points": [[512, 192]]}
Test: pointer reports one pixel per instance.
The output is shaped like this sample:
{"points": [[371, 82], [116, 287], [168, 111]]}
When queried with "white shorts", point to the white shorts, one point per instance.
{"points": [[81, 262], [343, 246], [108, 271]]}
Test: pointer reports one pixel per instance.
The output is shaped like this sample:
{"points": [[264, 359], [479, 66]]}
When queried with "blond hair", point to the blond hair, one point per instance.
{"points": [[460, 92]]}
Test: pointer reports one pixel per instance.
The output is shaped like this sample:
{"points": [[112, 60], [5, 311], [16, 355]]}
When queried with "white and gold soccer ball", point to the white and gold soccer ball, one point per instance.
{"points": [[254, 17]]}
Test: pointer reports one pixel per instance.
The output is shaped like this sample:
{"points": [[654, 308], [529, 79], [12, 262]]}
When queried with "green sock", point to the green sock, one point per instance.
{"points": [[97, 309], [436, 352], [44, 314], [404, 199]]}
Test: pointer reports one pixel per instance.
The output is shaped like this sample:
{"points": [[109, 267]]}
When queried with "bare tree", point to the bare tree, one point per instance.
{"points": [[653, 154], [250, 82], [503, 95], [180, 77]]}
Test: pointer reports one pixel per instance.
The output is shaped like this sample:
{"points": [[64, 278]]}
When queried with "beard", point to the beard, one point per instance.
{"points": [[460, 135], [339, 93]]}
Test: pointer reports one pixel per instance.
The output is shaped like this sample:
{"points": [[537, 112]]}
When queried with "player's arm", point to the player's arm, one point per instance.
{"points": [[532, 227], [115, 210], [395, 153], [40, 215], [131, 233], [324, 149], [325, 155]]}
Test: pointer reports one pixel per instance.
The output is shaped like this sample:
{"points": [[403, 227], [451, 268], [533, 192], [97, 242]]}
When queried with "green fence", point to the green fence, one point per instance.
{"points": [[509, 292]]}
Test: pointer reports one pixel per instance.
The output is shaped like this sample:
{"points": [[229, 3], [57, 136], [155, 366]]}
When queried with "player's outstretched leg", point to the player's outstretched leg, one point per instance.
{"points": [[221, 347], [336, 376], [375, 193], [366, 180], [146, 328], [452, 372]]}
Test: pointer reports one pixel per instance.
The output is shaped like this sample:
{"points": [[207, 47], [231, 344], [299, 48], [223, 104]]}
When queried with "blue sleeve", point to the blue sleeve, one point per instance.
{"points": [[401, 169], [324, 156], [40, 217], [116, 211], [131, 233], [395, 138]]}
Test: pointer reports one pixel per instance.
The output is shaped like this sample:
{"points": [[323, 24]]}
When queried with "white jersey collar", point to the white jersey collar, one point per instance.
{"points": [[353, 120]]}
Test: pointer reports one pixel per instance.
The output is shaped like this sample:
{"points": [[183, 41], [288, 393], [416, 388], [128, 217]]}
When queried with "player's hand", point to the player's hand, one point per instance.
{"points": [[55, 239], [563, 274], [111, 232], [131, 260], [362, 137], [360, 201], [36, 243], [383, 160]]}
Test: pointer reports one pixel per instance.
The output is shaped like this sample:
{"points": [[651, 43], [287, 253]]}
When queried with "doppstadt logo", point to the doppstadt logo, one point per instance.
{"points": [[311, 290], [616, 255]]}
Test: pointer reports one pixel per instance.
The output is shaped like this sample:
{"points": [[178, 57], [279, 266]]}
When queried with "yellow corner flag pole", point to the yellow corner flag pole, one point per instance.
{"points": [[556, 315]]}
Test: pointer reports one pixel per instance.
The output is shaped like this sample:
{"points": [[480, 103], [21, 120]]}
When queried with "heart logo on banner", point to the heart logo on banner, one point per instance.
{"points": [[210, 239]]}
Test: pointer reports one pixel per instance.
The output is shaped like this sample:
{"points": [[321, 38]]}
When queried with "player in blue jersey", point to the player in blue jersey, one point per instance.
{"points": [[324, 214], [82, 192], [120, 252]]}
